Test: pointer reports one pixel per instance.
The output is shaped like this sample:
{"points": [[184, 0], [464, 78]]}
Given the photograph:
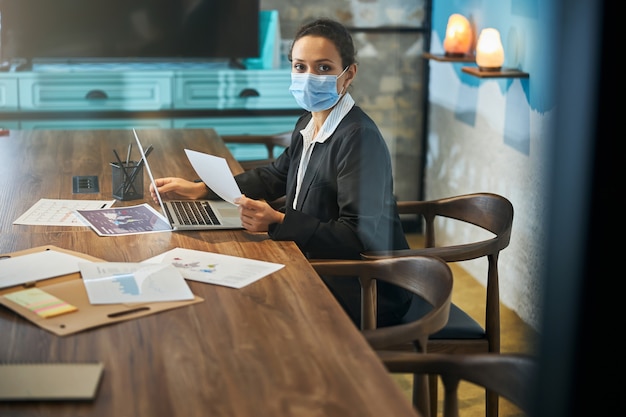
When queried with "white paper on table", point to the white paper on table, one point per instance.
{"points": [[216, 174], [36, 267], [215, 268], [52, 212], [133, 282]]}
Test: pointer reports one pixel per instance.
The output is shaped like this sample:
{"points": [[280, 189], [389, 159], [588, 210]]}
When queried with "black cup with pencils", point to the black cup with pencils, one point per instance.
{"points": [[127, 177]]}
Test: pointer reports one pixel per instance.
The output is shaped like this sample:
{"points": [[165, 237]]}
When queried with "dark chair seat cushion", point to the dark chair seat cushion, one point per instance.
{"points": [[460, 324]]}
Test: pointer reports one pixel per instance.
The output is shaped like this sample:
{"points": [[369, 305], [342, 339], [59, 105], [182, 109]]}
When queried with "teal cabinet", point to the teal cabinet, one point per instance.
{"points": [[232, 101]]}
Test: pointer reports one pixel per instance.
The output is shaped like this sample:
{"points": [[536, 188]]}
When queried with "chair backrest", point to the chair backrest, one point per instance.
{"points": [[427, 277], [491, 212], [508, 375], [270, 142], [282, 140]]}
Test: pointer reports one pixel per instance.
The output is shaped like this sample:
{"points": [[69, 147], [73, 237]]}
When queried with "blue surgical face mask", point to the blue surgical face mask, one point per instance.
{"points": [[315, 92]]}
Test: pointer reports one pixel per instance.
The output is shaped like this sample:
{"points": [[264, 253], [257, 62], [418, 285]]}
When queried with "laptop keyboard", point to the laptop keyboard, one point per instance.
{"points": [[194, 212]]}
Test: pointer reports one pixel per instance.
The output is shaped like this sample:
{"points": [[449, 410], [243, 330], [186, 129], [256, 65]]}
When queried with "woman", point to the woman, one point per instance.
{"points": [[336, 174]]}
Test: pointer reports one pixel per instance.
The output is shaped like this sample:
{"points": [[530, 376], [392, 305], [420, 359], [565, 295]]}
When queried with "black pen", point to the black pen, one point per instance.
{"points": [[139, 166], [148, 150]]}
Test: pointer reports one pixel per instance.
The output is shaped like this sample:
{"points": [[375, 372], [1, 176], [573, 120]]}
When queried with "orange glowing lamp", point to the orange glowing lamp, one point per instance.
{"points": [[459, 36]]}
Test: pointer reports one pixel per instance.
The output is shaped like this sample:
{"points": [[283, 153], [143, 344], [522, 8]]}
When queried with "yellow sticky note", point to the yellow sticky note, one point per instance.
{"points": [[40, 302]]}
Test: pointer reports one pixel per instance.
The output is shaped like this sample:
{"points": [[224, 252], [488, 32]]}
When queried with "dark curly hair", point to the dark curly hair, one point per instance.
{"points": [[334, 32]]}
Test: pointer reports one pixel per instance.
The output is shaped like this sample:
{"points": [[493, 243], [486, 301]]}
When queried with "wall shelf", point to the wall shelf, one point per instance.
{"points": [[447, 58], [503, 73], [475, 71]]}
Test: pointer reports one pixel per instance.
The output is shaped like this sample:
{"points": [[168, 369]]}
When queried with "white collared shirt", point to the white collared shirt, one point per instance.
{"points": [[328, 128]]}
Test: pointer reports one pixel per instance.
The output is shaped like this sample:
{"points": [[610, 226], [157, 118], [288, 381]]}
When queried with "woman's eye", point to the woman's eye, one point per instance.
{"points": [[323, 68], [298, 67]]}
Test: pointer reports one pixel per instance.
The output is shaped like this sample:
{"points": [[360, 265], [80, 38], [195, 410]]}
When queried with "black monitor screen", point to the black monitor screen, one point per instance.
{"points": [[130, 29]]}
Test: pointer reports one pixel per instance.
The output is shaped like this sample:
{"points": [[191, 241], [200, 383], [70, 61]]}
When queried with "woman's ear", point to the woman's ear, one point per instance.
{"points": [[350, 74]]}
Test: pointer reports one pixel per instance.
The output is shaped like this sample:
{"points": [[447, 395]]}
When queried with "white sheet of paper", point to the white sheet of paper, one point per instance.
{"points": [[36, 267], [216, 174], [51, 212], [215, 268], [133, 282]]}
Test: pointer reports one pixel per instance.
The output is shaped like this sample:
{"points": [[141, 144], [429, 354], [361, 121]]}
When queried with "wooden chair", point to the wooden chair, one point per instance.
{"points": [[463, 334], [427, 277], [271, 142], [508, 375]]}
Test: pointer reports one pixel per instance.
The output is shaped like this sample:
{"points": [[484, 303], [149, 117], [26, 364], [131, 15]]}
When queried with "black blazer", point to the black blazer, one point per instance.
{"points": [[346, 203]]}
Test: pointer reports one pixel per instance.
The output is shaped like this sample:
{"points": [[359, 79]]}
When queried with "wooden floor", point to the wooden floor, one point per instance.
{"points": [[516, 336]]}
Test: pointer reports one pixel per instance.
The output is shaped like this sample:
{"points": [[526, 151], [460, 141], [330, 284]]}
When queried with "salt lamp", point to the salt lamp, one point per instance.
{"points": [[458, 40], [489, 51]]}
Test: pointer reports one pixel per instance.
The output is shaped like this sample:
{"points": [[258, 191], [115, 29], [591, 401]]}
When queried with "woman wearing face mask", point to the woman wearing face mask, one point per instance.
{"points": [[336, 174]]}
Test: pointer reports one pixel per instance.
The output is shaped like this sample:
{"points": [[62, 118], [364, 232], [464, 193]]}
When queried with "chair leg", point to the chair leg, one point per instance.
{"points": [[491, 404], [491, 399], [421, 396], [433, 385]]}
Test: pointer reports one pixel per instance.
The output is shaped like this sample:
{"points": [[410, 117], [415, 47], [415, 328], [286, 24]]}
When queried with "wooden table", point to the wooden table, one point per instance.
{"points": [[281, 346]]}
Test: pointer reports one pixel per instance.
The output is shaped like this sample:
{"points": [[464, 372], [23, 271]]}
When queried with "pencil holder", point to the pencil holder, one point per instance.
{"points": [[127, 180]]}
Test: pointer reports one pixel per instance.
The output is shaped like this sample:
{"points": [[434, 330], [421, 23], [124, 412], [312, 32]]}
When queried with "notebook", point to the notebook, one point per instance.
{"points": [[49, 381], [194, 214]]}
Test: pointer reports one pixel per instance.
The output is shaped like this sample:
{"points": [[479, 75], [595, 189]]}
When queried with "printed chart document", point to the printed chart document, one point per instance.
{"points": [[215, 173], [215, 268], [133, 282], [36, 267], [117, 221], [50, 212]]}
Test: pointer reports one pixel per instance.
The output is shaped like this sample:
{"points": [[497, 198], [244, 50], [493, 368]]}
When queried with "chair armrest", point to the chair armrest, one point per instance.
{"points": [[453, 253]]}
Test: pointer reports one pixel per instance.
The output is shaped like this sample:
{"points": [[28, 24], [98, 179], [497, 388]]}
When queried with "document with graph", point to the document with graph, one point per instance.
{"points": [[130, 282], [216, 268]]}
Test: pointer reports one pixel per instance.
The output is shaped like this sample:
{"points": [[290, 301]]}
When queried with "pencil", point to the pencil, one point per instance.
{"points": [[130, 147]]}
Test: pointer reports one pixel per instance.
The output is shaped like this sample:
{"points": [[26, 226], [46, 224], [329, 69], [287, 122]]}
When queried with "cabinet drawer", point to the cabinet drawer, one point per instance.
{"points": [[8, 94], [88, 92], [233, 89]]}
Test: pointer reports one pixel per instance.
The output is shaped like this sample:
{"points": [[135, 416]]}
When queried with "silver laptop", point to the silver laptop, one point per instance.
{"points": [[194, 214]]}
